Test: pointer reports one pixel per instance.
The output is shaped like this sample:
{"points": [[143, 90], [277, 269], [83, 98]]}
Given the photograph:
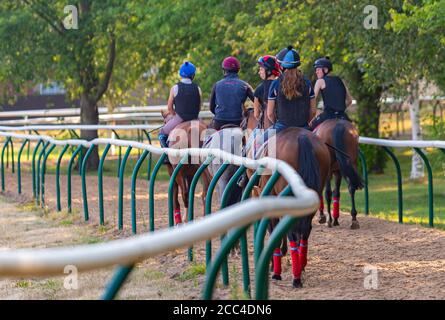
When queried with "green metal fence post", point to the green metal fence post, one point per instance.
{"points": [[261, 277], [84, 181], [151, 192], [28, 148], [19, 168], [262, 226], [59, 160], [365, 178], [5, 145], [208, 205], [253, 181], [68, 177], [121, 189], [39, 159], [12, 155], [399, 182], [170, 188], [33, 167], [7, 154], [120, 153], [45, 158], [133, 189], [150, 157], [430, 186], [117, 282], [224, 199], [192, 189], [100, 172], [227, 244]]}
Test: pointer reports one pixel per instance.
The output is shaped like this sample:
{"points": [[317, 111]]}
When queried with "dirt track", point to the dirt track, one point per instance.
{"points": [[410, 260]]}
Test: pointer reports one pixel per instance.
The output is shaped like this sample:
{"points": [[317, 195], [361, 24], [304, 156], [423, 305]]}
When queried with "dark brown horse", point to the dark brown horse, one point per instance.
{"points": [[188, 134], [309, 156], [343, 136]]}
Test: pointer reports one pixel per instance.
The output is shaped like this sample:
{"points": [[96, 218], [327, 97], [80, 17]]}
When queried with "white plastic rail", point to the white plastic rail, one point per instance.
{"points": [[127, 251]]}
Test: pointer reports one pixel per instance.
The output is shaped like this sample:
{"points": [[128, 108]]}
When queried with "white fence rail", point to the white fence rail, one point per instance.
{"points": [[52, 261]]}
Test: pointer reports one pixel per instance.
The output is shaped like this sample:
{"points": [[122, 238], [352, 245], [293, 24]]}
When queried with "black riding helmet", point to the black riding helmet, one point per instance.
{"points": [[288, 58], [323, 63]]}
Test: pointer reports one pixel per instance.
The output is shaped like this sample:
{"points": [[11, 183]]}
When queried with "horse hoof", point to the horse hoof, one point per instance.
{"points": [[336, 223], [330, 224], [355, 225], [297, 284], [322, 219], [276, 277]]}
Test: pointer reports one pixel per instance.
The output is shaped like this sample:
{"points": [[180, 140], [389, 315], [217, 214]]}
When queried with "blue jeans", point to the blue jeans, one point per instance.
{"points": [[278, 126]]}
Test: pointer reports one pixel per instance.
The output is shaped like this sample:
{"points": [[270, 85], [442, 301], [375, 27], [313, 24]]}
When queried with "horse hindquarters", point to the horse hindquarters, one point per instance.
{"points": [[309, 170]]}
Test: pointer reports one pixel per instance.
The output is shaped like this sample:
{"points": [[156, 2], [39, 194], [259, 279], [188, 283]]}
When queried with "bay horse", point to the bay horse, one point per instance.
{"points": [[310, 157], [343, 136], [185, 135]]}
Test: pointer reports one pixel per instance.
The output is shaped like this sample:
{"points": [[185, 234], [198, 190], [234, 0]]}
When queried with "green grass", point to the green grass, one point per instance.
{"points": [[192, 272], [383, 192]]}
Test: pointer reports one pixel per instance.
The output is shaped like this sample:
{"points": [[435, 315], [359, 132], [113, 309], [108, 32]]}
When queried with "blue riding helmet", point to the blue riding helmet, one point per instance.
{"points": [[187, 70]]}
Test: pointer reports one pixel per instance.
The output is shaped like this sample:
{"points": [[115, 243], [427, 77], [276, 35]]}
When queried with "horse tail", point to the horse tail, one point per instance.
{"points": [[346, 168], [308, 166]]}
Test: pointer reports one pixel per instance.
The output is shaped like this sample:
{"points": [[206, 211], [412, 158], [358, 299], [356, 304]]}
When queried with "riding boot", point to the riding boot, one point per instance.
{"points": [[163, 139]]}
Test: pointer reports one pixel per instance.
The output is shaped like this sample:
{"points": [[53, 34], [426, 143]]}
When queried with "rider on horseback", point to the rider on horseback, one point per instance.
{"points": [[228, 96], [269, 71], [185, 96], [291, 101], [336, 97]]}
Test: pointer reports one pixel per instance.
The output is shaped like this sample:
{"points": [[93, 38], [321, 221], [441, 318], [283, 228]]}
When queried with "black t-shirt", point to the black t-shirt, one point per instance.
{"points": [[262, 93]]}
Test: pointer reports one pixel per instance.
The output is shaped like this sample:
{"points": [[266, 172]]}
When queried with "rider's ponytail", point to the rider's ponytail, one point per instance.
{"points": [[292, 83]]}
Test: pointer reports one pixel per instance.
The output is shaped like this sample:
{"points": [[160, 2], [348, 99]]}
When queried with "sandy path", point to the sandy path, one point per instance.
{"points": [[410, 260]]}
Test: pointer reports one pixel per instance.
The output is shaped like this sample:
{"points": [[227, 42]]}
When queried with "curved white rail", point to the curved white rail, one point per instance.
{"points": [[40, 262]]}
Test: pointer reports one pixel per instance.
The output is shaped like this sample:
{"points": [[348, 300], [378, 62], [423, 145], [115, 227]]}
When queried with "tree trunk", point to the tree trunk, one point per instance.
{"points": [[89, 115], [417, 171], [368, 111]]}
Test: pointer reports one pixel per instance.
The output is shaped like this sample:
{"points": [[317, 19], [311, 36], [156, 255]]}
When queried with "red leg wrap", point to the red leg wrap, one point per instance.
{"points": [[295, 255], [336, 207], [321, 204], [177, 216], [277, 261]]}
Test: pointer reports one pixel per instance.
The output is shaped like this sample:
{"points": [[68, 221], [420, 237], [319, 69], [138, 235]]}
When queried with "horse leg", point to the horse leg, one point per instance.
{"points": [[328, 196], [185, 190], [354, 224], [306, 228], [322, 219], [336, 199], [176, 205], [205, 186], [277, 255], [294, 240]]}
